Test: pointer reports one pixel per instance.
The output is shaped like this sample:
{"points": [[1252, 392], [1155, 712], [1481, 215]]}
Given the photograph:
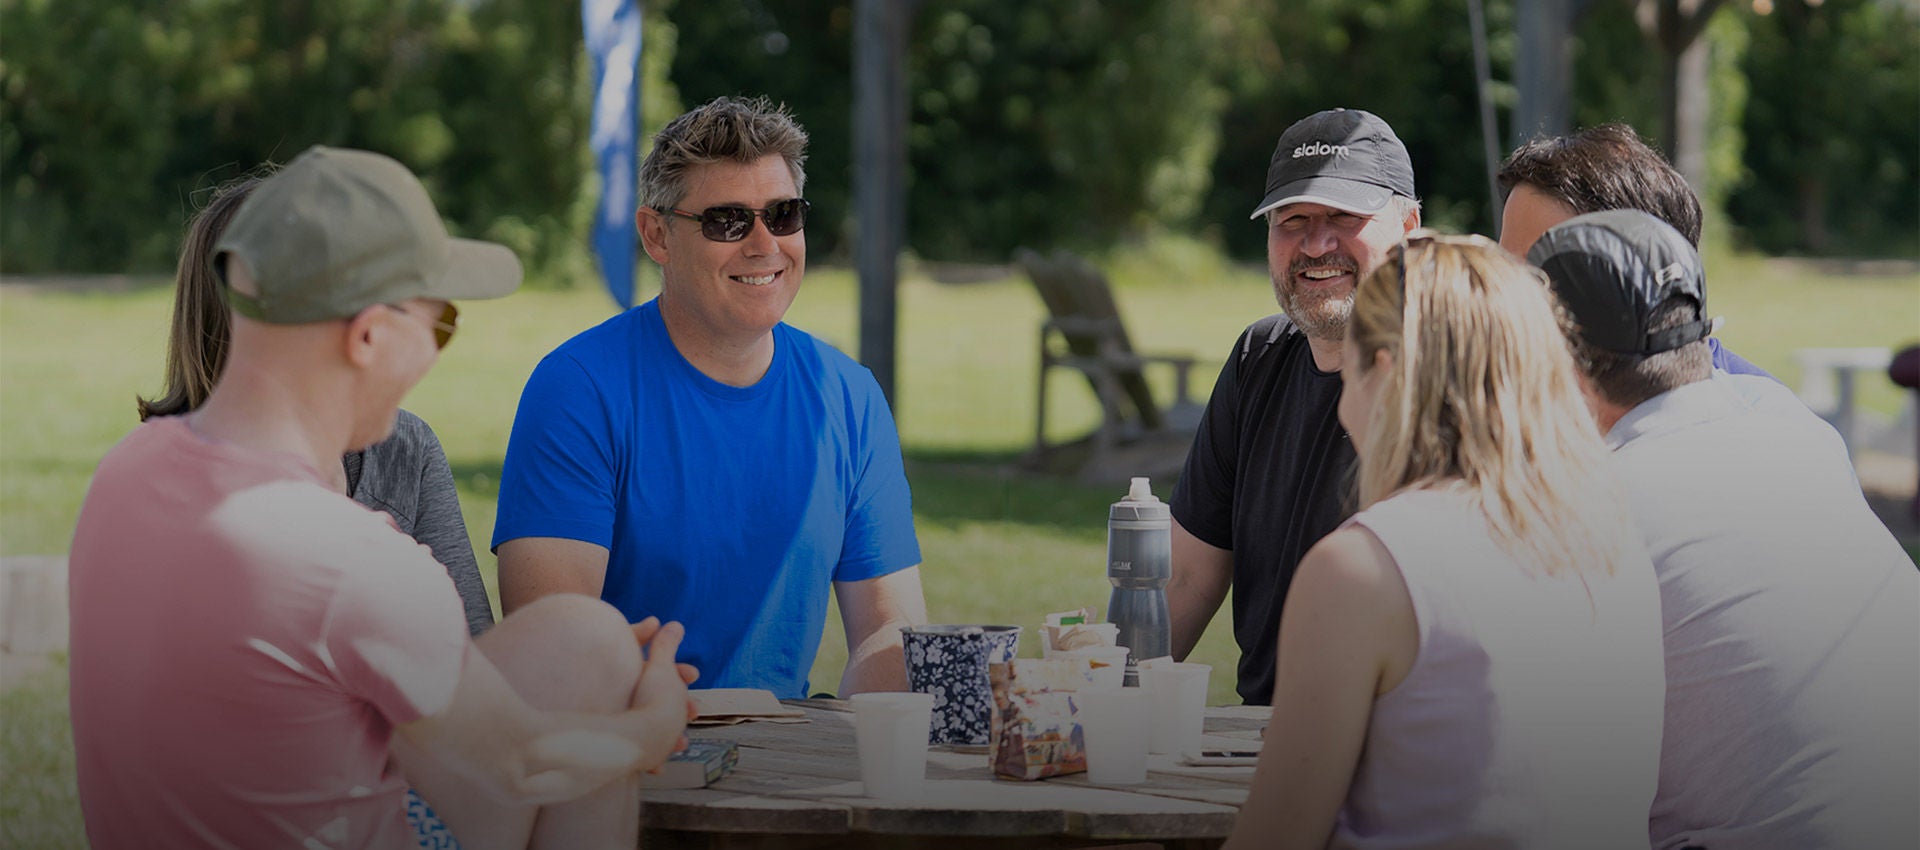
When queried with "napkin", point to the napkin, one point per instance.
{"points": [[727, 706], [1068, 630]]}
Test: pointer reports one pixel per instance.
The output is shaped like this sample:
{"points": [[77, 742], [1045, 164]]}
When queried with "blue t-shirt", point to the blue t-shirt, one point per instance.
{"points": [[730, 509], [1733, 364]]}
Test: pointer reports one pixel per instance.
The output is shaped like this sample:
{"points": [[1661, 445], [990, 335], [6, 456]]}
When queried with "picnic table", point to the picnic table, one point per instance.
{"points": [[798, 786]]}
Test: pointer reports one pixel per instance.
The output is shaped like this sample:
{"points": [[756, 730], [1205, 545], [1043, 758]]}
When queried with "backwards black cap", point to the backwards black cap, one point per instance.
{"points": [[1612, 269]]}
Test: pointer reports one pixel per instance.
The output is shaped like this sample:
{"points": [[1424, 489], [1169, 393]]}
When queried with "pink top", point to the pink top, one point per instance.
{"points": [[1531, 716], [243, 642]]}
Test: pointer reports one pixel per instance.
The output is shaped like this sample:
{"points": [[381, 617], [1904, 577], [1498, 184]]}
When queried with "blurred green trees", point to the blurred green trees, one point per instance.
{"points": [[1043, 122], [118, 116], [1833, 134]]}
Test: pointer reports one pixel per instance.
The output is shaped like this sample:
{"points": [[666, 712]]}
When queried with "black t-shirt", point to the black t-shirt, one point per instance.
{"points": [[1266, 479]]}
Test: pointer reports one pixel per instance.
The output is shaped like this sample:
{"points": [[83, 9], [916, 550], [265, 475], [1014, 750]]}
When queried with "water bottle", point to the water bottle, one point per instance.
{"points": [[1139, 563]]}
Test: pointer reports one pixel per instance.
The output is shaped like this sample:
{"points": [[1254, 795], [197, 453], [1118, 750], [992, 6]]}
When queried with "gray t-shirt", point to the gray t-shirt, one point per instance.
{"points": [[1792, 645], [407, 476]]}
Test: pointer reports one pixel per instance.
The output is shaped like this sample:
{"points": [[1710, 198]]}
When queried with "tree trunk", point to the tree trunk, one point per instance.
{"points": [[1812, 195], [1676, 27]]}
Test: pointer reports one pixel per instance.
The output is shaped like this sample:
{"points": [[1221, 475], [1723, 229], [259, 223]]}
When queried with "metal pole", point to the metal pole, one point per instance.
{"points": [[1542, 68], [879, 176], [1489, 130]]}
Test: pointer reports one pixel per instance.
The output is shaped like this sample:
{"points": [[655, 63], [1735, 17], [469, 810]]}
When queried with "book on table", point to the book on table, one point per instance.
{"points": [[702, 763]]}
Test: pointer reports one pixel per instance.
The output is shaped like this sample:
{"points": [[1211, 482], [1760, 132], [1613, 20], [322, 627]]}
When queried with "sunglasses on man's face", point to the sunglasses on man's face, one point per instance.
{"points": [[443, 327], [733, 223]]}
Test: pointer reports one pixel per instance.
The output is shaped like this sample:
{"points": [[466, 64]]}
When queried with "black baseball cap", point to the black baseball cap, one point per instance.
{"points": [[1347, 159], [1612, 269]]}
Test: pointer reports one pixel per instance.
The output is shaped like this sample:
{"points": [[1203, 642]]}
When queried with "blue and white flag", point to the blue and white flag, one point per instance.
{"points": [[612, 30]]}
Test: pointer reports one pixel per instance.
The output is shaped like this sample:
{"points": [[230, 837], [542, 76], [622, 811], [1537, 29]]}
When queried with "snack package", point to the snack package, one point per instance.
{"points": [[1033, 734], [1075, 629]]}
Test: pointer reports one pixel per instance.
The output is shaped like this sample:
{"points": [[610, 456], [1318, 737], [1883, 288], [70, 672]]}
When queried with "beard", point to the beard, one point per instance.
{"points": [[1320, 313]]}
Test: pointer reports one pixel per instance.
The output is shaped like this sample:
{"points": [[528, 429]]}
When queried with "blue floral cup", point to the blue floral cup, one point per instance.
{"points": [[950, 663]]}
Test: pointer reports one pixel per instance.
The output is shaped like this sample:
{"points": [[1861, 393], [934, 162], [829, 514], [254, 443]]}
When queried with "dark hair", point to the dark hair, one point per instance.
{"points": [[1608, 167], [1626, 380], [733, 129], [201, 330]]}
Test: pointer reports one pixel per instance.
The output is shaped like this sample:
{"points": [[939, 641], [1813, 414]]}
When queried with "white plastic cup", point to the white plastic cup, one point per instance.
{"points": [[1109, 663], [890, 730], [1178, 692], [1113, 725]]}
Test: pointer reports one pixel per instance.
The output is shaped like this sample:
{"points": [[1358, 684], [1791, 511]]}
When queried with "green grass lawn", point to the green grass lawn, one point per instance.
{"points": [[998, 547]]}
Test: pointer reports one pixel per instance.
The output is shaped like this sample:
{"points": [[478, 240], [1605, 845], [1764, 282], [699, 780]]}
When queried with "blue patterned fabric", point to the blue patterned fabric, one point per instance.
{"points": [[427, 828]]}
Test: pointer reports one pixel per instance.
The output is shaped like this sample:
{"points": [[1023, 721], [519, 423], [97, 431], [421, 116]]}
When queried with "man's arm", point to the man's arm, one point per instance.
{"points": [[488, 732], [873, 611], [532, 567], [1201, 576]]}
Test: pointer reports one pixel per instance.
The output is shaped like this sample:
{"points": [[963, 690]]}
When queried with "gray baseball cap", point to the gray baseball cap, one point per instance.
{"points": [[340, 230], [1612, 269]]}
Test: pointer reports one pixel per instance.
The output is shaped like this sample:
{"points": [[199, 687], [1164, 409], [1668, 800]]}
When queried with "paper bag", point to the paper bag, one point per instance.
{"points": [[1033, 732]]}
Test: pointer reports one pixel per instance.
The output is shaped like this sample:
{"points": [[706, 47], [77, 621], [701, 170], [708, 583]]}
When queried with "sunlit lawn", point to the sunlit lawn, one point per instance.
{"points": [[998, 546]]}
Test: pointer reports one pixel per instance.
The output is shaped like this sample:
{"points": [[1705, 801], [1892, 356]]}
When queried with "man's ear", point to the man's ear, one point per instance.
{"points": [[653, 233], [1413, 220], [362, 331]]}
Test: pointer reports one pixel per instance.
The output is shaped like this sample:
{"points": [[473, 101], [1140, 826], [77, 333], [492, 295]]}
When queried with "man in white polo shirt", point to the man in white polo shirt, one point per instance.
{"points": [[1792, 617]]}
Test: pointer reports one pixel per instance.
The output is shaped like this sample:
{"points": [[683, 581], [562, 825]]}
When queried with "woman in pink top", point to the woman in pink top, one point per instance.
{"points": [[1474, 659]]}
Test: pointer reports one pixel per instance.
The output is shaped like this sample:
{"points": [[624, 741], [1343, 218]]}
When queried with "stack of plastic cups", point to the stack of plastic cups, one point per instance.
{"points": [[1113, 725], [1178, 693], [890, 730]]}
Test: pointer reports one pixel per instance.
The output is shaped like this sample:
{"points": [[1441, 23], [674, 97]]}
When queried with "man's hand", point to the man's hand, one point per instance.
{"points": [[660, 696], [643, 633]]}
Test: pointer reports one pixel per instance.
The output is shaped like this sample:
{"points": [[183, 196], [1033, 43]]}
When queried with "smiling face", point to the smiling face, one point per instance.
{"points": [[726, 294], [1317, 254]]}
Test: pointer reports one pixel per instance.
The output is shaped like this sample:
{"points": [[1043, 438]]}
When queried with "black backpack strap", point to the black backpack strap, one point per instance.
{"points": [[1264, 333]]}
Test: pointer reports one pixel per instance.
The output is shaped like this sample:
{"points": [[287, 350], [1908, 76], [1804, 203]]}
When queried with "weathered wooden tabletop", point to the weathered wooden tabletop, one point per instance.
{"points": [[798, 785]]}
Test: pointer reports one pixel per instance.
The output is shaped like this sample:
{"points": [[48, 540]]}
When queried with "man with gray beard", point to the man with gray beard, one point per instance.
{"points": [[1263, 482]]}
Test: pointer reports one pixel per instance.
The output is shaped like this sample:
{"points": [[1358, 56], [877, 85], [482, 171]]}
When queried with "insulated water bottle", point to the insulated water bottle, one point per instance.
{"points": [[1139, 563]]}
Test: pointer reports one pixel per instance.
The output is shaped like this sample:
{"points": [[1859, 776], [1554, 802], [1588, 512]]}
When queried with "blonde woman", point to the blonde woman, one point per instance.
{"points": [[1473, 660]]}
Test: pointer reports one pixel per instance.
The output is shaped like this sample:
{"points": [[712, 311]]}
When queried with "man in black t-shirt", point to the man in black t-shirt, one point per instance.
{"points": [[1267, 476]]}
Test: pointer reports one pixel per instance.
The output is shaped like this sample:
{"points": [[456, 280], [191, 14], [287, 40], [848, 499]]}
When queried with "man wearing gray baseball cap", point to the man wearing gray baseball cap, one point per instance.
{"points": [[256, 660], [1792, 649], [1265, 478]]}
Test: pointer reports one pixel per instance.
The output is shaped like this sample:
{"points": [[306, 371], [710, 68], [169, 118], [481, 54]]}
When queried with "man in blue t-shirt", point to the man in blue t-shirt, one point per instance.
{"points": [[696, 458], [1606, 167]]}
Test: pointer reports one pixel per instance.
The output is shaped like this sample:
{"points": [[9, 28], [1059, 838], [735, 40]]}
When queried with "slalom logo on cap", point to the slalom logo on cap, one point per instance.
{"points": [[1319, 149]]}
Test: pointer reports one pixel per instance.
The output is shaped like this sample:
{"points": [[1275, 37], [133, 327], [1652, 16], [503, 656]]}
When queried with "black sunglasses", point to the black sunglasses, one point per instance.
{"points": [[732, 224]]}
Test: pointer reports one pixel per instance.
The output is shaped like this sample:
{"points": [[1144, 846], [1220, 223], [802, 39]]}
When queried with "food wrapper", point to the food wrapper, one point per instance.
{"points": [[1033, 734], [1068, 630]]}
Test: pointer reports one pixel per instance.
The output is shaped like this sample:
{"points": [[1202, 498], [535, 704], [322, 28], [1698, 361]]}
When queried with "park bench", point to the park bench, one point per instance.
{"points": [[1084, 332], [1828, 385]]}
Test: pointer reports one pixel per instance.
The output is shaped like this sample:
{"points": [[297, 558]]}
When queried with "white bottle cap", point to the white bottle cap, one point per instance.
{"points": [[1140, 492]]}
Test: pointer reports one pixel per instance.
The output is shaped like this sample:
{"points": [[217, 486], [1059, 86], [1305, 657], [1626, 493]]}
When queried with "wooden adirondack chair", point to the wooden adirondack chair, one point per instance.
{"points": [[1085, 332]]}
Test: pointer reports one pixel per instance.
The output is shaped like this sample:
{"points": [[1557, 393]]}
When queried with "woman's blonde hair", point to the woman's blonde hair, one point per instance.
{"points": [[1482, 396]]}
